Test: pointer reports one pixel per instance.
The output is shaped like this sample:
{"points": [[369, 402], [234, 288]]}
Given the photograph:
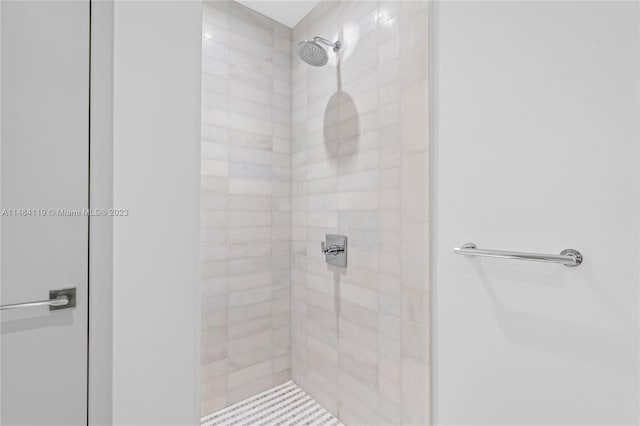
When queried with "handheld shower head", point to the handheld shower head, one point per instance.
{"points": [[313, 54]]}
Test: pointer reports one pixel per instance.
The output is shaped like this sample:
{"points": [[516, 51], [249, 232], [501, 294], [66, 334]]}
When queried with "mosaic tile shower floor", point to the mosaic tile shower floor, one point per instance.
{"points": [[284, 405]]}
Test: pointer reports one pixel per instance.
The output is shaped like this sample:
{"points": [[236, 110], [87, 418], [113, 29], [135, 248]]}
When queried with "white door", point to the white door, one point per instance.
{"points": [[536, 129], [44, 166]]}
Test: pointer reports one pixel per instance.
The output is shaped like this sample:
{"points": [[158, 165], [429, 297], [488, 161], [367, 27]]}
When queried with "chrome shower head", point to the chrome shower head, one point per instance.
{"points": [[313, 54]]}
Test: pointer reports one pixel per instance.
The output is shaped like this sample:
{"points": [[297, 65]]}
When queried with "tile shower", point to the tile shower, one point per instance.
{"points": [[290, 153]]}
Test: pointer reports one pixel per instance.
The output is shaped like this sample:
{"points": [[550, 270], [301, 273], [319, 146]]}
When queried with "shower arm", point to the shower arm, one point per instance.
{"points": [[336, 45]]}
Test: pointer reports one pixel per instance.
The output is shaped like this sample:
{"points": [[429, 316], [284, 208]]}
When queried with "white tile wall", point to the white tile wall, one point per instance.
{"points": [[291, 153], [360, 335], [246, 168]]}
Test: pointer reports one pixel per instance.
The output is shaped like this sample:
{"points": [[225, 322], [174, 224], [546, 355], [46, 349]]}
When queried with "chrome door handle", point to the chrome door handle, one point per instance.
{"points": [[58, 299]]}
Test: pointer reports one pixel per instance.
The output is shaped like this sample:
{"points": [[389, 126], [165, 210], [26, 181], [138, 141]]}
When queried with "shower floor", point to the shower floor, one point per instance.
{"points": [[286, 404]]}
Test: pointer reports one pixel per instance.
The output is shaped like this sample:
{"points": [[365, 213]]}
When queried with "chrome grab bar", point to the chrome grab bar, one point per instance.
{"points": [[568, 257], [58, 299]]}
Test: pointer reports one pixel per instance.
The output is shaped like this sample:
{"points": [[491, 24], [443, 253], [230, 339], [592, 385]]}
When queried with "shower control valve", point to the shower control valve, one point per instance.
{"points": [[335, 250], [332, 250]]}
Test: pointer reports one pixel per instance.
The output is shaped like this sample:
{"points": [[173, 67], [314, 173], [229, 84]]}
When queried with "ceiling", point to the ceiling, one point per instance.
{"points": [[286, 12]]}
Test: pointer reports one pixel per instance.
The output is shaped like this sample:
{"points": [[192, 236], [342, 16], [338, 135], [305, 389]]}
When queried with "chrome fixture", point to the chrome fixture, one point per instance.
{"points": [[58, 299], [312, 53], [568, 257], [332, 250], [335, 250]]}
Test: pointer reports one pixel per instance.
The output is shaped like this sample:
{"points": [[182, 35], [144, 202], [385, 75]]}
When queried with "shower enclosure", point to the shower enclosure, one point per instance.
{"points": [[294, 152]]}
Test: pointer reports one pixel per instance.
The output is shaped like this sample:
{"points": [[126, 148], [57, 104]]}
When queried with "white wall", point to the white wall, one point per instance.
{"points": [[536, 129], [156, 176]]}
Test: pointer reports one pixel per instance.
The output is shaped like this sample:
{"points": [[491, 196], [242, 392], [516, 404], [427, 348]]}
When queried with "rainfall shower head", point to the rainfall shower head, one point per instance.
{"points": [[312, 53]]}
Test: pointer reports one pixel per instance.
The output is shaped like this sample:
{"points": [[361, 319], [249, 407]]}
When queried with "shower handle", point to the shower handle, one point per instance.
{"points": [[332, 250]]}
